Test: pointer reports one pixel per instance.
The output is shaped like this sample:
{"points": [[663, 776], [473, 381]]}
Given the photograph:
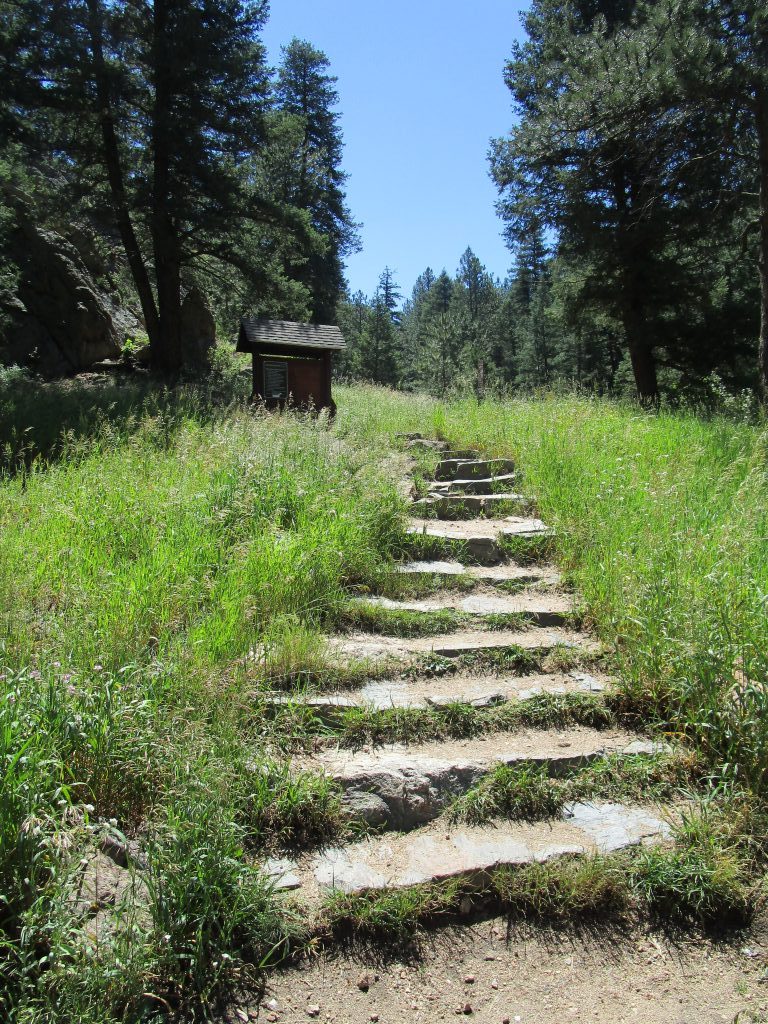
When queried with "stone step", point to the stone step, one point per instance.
{"points": [[400, 787], [508, 572], [475, 469], [418, 441], [536, 640], [490, 485], [478, 691], [547, 609], [481, 538], [461, 455], [453, 506], [470, 853]]}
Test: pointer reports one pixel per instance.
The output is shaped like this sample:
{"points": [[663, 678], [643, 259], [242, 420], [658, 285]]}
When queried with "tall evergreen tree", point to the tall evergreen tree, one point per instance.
{"points": [[379, 358], [390, 294], [477, 302], [305, 91], [166, 100], [630, 173]]}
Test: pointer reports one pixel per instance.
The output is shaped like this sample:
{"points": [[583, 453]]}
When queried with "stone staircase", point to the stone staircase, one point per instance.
{"points": [[506, 611]]}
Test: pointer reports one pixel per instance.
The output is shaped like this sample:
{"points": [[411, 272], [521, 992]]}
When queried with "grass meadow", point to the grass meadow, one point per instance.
{"points": [[165, 557]]}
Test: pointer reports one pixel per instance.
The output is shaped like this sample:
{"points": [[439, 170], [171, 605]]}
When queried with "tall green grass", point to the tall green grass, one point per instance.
{"points": [[662, 525], [169, 555], [151, 575]]}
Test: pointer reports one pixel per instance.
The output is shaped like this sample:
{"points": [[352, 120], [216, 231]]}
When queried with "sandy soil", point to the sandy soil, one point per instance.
{"points": [[533, 977], [534, 744], [404, 692], [367, 645], [466, 529], [483, 601]]}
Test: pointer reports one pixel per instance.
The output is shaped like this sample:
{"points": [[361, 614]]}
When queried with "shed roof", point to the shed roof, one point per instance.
{"points": [[254, 333]]}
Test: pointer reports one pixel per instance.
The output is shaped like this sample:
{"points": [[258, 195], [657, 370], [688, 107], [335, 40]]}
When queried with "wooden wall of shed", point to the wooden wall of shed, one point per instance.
{"points": [[309, 380]]}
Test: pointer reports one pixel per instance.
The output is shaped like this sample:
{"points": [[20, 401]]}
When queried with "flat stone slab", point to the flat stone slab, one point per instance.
{"points": [[317, 702], [548, 609], [449, 506], [400, 787], [481, 537], [282, 873], [367, 647], [477, 690], [425, 443], [473, 529], [443, 691], [432, 854], [614, 827], [509, 572], [477, 469], [488, 485]]}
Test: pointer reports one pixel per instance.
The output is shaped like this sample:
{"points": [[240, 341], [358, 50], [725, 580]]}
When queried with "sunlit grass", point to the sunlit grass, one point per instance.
{"points": [[176, 557]]}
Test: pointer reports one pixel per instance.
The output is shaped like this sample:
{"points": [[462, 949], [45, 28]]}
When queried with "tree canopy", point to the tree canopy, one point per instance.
{"points": [[163, 123]]}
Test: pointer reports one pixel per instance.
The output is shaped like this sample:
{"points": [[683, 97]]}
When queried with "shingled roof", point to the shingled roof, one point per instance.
{"points": [[284, 332]]}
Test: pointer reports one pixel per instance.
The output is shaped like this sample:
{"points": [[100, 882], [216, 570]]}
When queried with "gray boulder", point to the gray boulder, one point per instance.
{"points": [[198, 328], [58, 321]]}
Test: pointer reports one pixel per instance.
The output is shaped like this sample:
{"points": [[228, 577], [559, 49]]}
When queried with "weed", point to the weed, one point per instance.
{"points": [[519, 793], [373, 618], [701, 878], [564, 889], [527, 793]]}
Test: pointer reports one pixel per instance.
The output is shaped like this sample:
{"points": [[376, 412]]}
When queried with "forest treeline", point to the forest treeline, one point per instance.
{"points": [[160, 132], [633, 190]]}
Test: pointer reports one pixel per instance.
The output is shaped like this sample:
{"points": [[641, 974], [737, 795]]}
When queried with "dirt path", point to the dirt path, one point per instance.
{"points": [[535, 976], [484, 971]]}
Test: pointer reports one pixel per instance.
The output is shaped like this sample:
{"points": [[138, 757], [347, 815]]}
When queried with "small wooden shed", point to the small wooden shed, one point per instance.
{"points": [[291, 361]]}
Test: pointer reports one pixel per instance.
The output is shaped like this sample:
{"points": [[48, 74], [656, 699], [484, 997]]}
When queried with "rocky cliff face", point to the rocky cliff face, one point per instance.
{"points": [[198, 328], [58, 322]]}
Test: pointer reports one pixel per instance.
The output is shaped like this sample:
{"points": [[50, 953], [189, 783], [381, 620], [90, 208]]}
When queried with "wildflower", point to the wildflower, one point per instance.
{"points": [[57, 664], [66, 677], [98, 667], [35, 674]]}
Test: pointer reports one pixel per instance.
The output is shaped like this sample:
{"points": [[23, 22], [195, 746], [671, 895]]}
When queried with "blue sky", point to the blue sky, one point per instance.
{"points": [[421, 93]]}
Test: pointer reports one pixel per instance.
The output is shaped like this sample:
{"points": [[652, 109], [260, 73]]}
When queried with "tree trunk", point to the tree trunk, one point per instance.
{"points": [[632, 250], [644, 369], [167, 356], [165, 351], [761, 117], [640, 354], [111, 156]]}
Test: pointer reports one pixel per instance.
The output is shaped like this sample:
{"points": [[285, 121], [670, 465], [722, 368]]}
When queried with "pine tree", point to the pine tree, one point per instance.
{"points": [[305, 91], [412, 329], [380, 351], [165, 101], [354, 317], [478, 303], [625, 151], [390, 294], [595, 205]]}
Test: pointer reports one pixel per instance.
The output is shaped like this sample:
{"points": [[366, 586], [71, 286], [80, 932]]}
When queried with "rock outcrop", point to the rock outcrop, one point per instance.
{"points": [[198, 328], [58, 321]]}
